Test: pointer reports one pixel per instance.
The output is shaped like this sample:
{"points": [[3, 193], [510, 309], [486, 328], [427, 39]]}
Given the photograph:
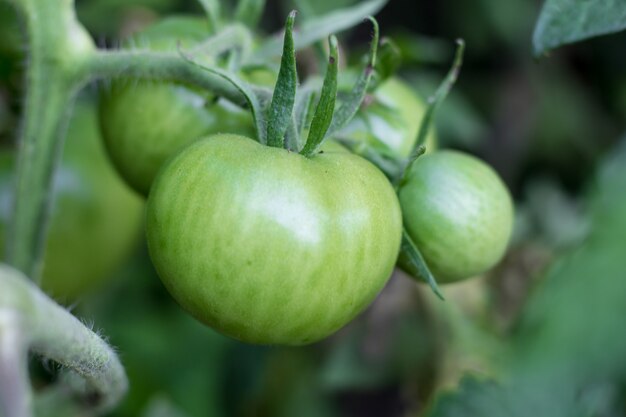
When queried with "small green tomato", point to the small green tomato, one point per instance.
{"points": [[458, 212]]}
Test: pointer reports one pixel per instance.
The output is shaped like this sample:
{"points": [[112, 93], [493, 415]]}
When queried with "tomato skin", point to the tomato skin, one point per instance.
{"points": [[270, 247], [95, 220], [458, 212], [145, 122], [390, 121]]}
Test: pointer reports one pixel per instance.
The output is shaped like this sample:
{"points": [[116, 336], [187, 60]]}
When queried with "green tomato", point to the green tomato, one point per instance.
{"points": [[95, 220], [145, 122], [458, 212], [268, 246], [390, 120]]}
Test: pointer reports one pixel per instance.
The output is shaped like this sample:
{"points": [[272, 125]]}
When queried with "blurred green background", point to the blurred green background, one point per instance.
{"points": [[541, 335]]}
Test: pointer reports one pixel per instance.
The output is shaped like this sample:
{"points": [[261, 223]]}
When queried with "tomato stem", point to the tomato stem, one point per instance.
{"points": [[15, 391], [31, 320], [149, 65], [57, 46]]}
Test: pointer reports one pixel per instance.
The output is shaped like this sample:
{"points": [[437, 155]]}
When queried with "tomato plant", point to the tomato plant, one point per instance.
{"points": [[458, 212], [144, 122], [95, 220]]}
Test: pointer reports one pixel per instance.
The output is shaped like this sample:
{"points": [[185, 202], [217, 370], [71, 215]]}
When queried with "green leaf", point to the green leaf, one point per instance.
{"points": [[326, 105], [352, 103], [281, 108], [435, 100], [566, 356], [249, 12], [567, 21], [305, 9], [322, 27], [212, 10], [413, 257]]}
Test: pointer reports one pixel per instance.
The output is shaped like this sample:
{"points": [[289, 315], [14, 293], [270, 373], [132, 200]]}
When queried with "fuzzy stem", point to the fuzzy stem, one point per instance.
{"points": [[15, 392], [157, 66], [54, 333], [57, 44]]}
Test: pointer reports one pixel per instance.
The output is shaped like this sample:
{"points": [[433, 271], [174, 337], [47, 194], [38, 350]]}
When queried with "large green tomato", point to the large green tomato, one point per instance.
{"points": [[390, 120], [458, 212], [96, 219], [145, 122], [268, 246]]}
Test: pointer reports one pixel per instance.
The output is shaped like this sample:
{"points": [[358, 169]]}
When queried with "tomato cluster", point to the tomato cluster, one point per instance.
{"points": [[272, 246]]}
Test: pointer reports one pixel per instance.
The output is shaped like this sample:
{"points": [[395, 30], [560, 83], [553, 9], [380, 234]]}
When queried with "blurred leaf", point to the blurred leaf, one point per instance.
{"points": [[321, 27], [458, 122], [567, 356], [567, 21], [310, 8], [419, 49], [557, 216], [161, 406], [389, 60], [107, 17]]}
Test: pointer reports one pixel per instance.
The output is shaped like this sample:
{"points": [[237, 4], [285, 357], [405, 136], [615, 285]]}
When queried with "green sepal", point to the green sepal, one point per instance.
{"points": [[412, 257], [326, 106], [434, 101], [281, 108], [351, 105]]}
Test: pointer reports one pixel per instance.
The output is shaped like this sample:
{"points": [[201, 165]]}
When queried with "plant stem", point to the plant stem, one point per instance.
{"points": [[157, 66], [43, 130], [15, 392], [54, 333], [57, 43]]}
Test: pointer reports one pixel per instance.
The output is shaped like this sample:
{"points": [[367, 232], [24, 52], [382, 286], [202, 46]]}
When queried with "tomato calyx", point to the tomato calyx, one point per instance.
{"points": [[281, 129], [287, 113]]}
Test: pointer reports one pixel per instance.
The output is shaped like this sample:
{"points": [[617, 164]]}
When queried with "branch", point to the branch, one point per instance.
{"points": [[157, 66], [52, 332], [15, 392]]}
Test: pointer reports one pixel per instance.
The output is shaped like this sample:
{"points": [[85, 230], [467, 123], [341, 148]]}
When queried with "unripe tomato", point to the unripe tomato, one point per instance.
{"points": [[144, 122], [268, 246], [95, 220], [458, 212], [390, 120]]}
